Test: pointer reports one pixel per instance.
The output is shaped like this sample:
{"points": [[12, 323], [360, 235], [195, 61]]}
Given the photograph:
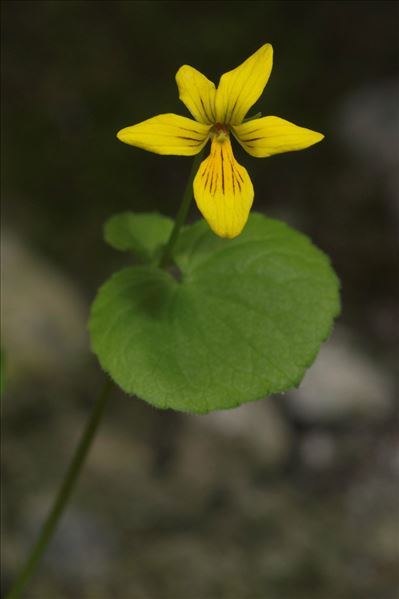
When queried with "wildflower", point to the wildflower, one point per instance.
{"points": [[222, 187]]}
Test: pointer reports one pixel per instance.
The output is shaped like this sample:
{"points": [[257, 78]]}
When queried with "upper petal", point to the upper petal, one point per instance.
{"points": [[272, 135], [239, 89], [167, 134], [197, 93], [223, 191]]}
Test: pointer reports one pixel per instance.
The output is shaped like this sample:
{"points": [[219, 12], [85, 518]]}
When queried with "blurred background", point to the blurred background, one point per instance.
{"points": [[292, 497]]}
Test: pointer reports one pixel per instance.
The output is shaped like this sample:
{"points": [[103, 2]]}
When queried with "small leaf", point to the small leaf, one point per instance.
{"points": [[253, 117], [245, 320], [143, 234]]}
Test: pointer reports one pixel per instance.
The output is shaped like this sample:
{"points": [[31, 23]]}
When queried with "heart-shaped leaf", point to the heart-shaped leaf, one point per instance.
{"points": [[244, 320]]}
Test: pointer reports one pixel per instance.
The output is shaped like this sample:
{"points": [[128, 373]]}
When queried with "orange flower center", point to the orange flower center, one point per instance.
{"points": [[220, 132]]}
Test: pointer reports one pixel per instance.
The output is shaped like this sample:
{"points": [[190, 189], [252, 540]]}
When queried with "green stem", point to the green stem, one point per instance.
{"points": [[64, 493], [182, 213]]}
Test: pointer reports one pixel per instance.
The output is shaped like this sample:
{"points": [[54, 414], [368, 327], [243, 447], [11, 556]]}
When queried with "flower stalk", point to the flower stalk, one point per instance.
{"points": [[181, 215], [61, 500], [68, 485]]}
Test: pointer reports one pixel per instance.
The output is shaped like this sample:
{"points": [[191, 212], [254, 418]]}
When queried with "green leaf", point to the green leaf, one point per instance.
{"points": [[143, 234], [253, 117], [245, 320]]}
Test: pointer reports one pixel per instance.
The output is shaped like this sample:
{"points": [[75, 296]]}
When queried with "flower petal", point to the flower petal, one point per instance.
{"points": [[197, 93], [167, 134], [239, 89], [272, 135], [223, 191]]}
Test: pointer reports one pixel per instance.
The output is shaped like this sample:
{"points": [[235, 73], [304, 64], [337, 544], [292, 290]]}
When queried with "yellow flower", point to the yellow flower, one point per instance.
{"points": [[222, 187]]}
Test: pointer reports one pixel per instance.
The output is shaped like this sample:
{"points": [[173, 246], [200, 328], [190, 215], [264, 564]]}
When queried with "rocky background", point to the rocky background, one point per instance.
{"points": [[292, 497]]}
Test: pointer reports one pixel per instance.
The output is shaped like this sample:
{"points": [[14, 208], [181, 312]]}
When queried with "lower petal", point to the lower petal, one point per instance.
{"points": [[223, 191]]}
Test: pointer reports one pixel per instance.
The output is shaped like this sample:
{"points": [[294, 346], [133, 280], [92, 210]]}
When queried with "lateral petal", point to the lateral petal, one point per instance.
{"points": [[197, 93], [167, 134], [240, 88], [223, 191], [271, 135]]}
